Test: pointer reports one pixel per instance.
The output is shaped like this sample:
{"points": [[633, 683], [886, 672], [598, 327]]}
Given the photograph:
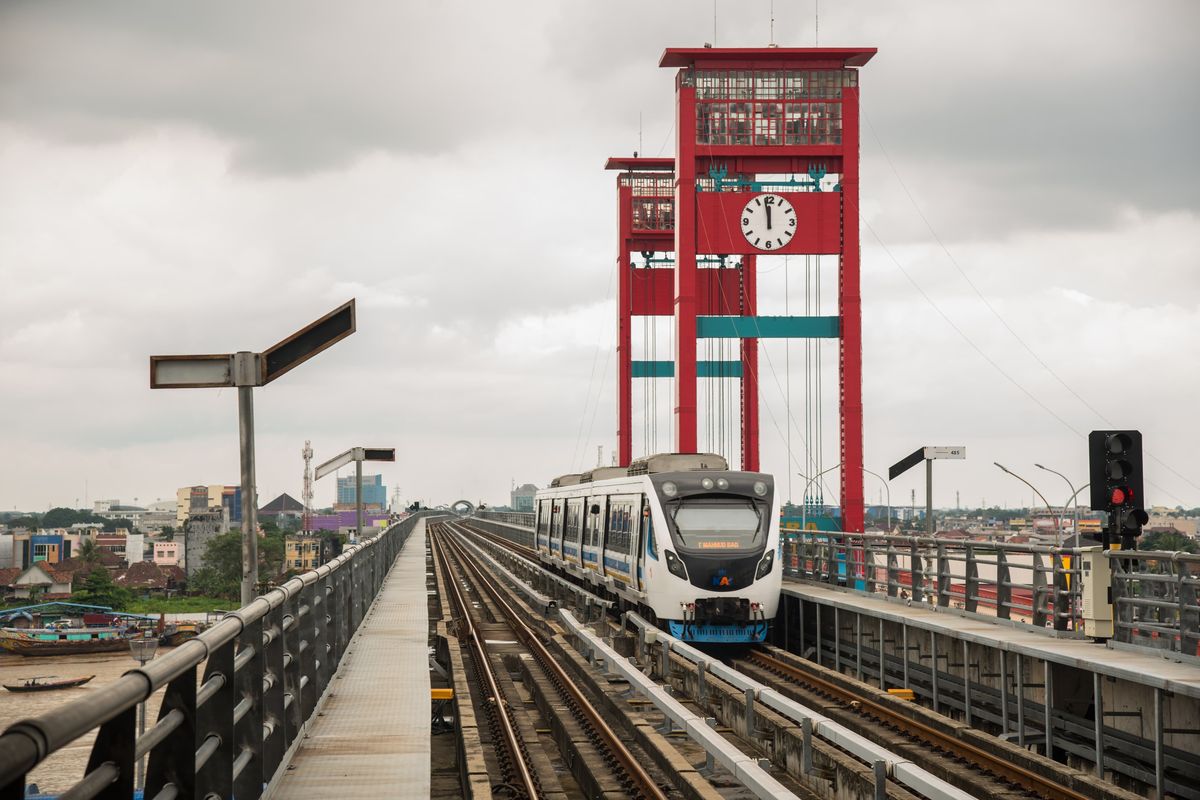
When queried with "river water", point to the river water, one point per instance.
{"points": [[64, 768]]}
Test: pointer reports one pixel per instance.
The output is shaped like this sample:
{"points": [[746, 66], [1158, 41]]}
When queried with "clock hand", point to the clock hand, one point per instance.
{"points": [[768, 217]]}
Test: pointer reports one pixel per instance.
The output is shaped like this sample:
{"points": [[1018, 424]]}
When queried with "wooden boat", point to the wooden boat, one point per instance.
{"points": [[41, 684], [65, 642], [179, 633]]}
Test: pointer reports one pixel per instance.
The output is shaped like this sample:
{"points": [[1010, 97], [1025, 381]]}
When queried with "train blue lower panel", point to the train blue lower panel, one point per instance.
{"points": [[718, 634]]}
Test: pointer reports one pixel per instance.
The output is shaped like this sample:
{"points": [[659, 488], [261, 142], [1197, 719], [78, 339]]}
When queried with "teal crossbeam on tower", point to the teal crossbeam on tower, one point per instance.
{"points": [[704, 369], [767, 328]]}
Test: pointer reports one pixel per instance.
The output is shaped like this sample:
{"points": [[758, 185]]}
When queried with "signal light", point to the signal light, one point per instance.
{"points": [[1115, 464]]}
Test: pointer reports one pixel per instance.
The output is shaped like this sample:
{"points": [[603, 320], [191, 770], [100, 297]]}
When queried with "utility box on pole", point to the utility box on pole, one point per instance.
{"points": [[1095, 590]]}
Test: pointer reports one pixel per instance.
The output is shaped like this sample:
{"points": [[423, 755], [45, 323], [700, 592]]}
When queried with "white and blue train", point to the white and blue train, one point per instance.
{"points": [[679, 538]]}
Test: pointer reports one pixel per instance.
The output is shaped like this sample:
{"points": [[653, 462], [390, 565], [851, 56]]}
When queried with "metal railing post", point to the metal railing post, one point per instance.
{"points": [[215, 744], [291, 669], [1003, 586], [248, 727], [971, 587], [916, 571], [274, 725], [943, 576], [1038, 594], [173, 760], [114, 750]]}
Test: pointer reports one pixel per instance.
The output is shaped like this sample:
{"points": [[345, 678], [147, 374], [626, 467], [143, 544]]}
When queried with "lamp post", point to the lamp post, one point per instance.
{"points": [[888, 491], [1074, 493], [804, 495], [1057, 529], [142, 649]]}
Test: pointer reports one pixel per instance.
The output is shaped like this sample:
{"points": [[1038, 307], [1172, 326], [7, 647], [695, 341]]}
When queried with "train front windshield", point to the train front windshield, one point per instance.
{"points": [[718, 524]]}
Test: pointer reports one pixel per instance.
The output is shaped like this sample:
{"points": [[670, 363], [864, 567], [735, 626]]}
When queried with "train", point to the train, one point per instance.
{"points": [[679, 538]]}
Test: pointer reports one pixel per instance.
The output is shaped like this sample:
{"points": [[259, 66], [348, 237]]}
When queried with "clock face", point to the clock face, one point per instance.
{"points": [[768, 222]]}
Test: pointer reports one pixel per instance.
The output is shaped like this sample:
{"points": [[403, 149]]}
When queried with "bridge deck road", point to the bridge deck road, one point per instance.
{"points": [[372, 737]]}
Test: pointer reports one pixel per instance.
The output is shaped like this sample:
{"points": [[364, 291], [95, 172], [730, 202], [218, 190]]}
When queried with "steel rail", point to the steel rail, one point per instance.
{"points": [[997, 765], [484, 666], [519, 549], [531, 640]]}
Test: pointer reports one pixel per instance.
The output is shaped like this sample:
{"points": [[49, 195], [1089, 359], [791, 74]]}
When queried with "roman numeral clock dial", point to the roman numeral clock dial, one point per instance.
{"points": [[768, 221]]}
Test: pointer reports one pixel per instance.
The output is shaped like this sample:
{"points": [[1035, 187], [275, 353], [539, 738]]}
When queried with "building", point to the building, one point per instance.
{"points": [[113, 509], [43, 581], [284, 509], [302, 553], [374, 493], [167, 554], [201, 528], [521, 498], [1184, 525], [344, 521], [205, 499]]}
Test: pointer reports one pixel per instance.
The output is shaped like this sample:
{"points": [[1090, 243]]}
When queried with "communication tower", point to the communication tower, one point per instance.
{"points": [[306, 495]]}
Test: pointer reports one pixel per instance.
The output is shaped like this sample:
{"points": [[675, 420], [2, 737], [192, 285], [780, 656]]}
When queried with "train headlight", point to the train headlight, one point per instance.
{"points": [[760, 488], [675, 565], [670, 489], [707, 483], [764, 566], [722, 484]]}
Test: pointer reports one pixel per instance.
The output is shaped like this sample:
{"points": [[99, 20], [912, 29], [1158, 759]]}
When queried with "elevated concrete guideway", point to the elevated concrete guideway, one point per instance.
{"points": [[371, 737]]}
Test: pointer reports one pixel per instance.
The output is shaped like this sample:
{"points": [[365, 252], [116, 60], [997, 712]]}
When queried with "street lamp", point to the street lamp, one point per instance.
{"points": [[1074, 494], [804, 495], [1057, 529], [888, 491], [142, 649]]}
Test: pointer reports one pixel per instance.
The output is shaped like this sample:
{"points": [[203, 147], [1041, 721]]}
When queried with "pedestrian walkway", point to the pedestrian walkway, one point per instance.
{"points": [[371, 738]]}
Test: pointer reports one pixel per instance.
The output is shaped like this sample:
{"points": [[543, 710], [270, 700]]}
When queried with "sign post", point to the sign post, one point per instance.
{"points": [[926, 454], [358, 455], [245, 370]]}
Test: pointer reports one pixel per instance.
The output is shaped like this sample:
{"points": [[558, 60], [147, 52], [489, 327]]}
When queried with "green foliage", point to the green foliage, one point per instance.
{"points": [[180, 605], [208, 581], [31, 522], [111, 525], [88, 551], [100, 589], [1169, 541], [167, 534], [272, 549]]}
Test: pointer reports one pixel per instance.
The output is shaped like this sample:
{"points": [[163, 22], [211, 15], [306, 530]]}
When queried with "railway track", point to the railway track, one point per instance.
{"points": [[991, 774], [607, 762]]}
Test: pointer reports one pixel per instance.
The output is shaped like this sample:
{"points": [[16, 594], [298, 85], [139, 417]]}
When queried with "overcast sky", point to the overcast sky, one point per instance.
{"points": [[208, 177]]}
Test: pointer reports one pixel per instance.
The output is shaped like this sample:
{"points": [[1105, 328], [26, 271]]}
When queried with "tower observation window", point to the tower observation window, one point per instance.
{"points": [[653, 199], [815, 119]]}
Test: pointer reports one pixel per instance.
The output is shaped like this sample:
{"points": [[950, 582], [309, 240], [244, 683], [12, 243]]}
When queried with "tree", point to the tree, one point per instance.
{"points": [[1168, 541], [111, 525], [208, 581], [88, 551], [167, 534], [29, 522], [100, 589], [272, 550]]}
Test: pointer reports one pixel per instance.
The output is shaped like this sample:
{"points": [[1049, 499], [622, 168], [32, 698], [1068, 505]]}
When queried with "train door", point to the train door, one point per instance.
{"points": [[620, 539], [556, 528], [637, 548], [573, 530], [542, 543], [597, 513], [648, 552]]}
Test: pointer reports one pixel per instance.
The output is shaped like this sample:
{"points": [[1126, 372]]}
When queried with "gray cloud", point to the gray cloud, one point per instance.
{"points": [[196, 179]]}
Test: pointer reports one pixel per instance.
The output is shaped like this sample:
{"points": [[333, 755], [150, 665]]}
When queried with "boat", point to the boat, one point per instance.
{"points": [[63, 642], [41, 684], [179, 632]]}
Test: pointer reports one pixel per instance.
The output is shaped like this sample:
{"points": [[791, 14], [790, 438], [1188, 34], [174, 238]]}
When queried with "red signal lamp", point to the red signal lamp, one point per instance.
{"points": [[1118, 497]]}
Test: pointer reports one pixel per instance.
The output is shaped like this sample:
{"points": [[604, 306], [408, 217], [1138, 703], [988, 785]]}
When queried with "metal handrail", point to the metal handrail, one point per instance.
{"points": [[1038, 581], [266, 666]]}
